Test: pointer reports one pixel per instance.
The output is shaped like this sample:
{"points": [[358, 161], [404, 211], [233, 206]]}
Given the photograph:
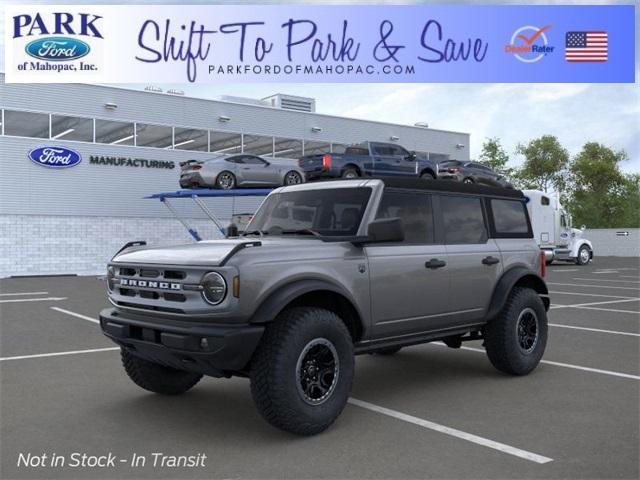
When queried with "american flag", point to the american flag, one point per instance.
{"points": [[586, 47]]}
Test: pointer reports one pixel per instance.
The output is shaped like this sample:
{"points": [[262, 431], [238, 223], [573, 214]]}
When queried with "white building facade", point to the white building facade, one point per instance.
{"points": [[72, 220]]}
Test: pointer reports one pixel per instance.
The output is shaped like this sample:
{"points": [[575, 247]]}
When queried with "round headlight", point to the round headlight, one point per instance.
{"points": [[214, 288], [111, 273]]}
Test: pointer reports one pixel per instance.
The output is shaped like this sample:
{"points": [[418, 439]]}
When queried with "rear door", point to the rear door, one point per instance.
{"points": [[406, 295], [473, 258]]}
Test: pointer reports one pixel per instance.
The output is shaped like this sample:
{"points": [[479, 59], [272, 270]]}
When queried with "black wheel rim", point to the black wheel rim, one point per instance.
{"points": [[225, 181], [317, 371], [527, 330], [293, 178]]}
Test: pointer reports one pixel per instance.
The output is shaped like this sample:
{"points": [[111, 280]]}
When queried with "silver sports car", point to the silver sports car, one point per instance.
{"points": [[242, 170]]}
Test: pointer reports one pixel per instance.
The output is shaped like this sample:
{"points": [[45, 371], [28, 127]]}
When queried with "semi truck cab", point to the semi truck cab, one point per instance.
{"points": [[553, 230]]}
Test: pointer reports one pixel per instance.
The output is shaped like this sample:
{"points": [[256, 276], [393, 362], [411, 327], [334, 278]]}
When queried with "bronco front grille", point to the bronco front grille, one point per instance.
{"points": [[156, 289]]}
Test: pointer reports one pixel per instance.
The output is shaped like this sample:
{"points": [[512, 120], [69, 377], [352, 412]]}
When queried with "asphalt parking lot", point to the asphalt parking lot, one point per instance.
{"points": [[428, 412]]}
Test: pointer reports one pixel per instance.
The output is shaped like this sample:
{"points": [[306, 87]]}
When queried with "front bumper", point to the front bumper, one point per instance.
{"points": [[180, 344]]}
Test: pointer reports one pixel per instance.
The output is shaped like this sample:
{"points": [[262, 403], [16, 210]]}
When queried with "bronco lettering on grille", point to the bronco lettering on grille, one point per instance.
{"points": [[130, 282]]}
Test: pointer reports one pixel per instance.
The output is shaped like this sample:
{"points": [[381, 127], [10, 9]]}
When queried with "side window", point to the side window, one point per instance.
{"points": [[234, 160], [544, 200], [463, 220], [509, 216], [414, 210], [399, 152], [250, 159]]}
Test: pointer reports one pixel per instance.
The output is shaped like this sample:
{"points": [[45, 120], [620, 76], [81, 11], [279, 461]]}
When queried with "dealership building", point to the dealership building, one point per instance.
{"points": [[130, 143]]}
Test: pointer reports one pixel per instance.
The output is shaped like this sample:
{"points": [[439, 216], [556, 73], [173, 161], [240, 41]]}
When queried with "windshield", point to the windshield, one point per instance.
{"points": [[325, 212]]}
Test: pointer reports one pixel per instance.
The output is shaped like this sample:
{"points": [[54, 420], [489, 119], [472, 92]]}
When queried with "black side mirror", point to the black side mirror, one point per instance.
{"points": [[385, 230], [412, 156], [232, 230]]}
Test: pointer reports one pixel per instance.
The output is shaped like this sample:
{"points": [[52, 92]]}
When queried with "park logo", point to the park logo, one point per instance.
{"points": [[55, 157], [529, 44], [55, 41]]}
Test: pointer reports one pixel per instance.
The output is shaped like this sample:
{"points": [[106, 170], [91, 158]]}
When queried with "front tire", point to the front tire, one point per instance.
{"points": [[584, 255], [468, 181], [516, 339], [157, 378], [302, 371], [225, 180]]}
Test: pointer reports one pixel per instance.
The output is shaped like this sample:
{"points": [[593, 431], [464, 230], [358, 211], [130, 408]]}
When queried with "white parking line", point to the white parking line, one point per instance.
{"points": [[485, 442], [23, 293], [59, 354], [48, 299], [606, 280], [628, 276], [604, 272], [594, 286], [597, 330], [587, 294], [74, 314], [632, 312], [577, 305], [558, 364]]}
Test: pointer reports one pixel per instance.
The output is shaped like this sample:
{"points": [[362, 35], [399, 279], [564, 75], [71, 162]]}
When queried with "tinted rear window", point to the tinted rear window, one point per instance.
{"points": [[509, 216], [463, 220], [356, 151]]}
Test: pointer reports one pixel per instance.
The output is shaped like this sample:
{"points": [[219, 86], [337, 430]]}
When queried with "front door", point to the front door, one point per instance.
{"points": [[409, 281]]}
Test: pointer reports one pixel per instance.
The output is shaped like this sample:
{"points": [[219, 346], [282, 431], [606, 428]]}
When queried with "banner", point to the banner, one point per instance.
{"points": [[284, 43]]}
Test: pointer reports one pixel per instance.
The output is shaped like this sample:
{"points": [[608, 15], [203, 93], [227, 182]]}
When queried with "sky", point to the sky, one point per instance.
{"points": [[515, 113]]}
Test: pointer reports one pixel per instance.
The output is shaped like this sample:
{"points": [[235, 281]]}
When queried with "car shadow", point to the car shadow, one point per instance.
{"points": [[226, 406]]}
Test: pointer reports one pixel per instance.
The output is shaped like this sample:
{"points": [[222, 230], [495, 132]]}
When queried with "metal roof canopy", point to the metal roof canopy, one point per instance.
{"points": [[196, 195]]}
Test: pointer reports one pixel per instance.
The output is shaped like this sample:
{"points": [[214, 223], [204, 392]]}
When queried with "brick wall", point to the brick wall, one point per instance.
{"points": [[43, 245]]}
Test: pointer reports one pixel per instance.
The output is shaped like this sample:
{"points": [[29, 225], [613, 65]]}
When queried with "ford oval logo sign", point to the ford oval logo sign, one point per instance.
{"points": [[55, 157], [57, 49]]}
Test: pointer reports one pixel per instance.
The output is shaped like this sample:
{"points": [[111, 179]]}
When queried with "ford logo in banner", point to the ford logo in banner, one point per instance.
{"points": [[57, 49], [55, 157]]}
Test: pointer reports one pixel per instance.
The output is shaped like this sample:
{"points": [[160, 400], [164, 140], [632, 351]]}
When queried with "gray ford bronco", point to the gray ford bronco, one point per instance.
{"points": [[326, 271]]}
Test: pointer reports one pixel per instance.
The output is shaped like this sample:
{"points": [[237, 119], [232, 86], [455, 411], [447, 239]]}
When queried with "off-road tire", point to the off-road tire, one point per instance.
{"points": [[579, 260], [350, 172], [157, 378], [388, 351], [275, 375], [501, 334]]}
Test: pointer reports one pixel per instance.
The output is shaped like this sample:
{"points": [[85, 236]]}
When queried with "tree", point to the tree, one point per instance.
{"points": [[494, 156], [545, 163], [601, 196]]}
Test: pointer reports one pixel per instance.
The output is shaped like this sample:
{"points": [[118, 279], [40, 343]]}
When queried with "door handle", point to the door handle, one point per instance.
{"points": [[435, 263], [490, 260]]}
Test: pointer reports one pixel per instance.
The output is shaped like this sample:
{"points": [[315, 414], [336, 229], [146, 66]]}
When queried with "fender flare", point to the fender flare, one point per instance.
{"points": [[285, 294], [507, 282], [430, 170]]}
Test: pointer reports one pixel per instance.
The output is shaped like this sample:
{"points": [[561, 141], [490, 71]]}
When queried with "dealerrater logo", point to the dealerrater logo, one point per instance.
{"points": [[530, 44], [57, 40]]}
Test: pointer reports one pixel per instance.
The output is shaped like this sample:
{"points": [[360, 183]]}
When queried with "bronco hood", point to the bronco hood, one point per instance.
{"points": [[212, 252]]}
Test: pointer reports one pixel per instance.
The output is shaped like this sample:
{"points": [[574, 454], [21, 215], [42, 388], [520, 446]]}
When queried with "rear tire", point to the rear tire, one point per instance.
{"points": [[225, 180], [302, 371], [292, 178], [516, 339], [427, 176], [350, 172], [157, 378]]}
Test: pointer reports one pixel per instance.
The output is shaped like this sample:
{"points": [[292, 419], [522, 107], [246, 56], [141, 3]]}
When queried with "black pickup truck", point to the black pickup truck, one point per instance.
{"points": [[369, 159]]}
